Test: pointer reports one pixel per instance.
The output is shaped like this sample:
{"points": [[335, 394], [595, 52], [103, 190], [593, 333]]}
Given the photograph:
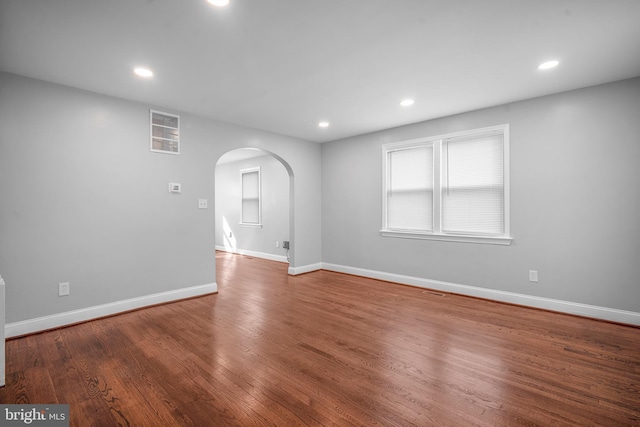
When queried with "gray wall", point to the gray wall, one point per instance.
{"points": [[575, 201], [275, 206], [83, 200]]}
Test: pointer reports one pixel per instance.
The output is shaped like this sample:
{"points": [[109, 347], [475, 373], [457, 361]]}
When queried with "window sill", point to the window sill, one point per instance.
{"points": [[505, 241], [242, 224]]}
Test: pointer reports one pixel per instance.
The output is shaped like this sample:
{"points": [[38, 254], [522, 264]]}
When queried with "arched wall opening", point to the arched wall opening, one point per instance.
{"points": [[266, 238]]}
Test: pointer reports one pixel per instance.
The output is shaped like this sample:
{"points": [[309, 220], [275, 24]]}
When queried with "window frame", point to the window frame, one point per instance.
{"points": [[437, 233], [242, 197], [404, 146]]}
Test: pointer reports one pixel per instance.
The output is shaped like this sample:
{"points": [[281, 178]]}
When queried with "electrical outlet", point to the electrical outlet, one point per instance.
{"points": [[202, 203], [277, 244], [533, 276], [285, 244], [63, 289]]}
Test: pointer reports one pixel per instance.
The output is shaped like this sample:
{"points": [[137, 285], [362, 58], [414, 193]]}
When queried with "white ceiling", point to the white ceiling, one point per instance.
{"points": [[284, 65]]}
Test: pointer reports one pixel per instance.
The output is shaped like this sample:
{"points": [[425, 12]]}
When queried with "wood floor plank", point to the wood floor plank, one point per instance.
{"points": [[329, 349]]}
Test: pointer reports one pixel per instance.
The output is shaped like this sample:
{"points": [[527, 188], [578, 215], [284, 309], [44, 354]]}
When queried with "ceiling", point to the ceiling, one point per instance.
{"points": [[285, 65]]}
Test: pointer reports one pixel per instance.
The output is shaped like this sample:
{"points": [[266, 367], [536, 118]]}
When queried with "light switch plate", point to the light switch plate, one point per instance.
{"points": [[175, 187]]}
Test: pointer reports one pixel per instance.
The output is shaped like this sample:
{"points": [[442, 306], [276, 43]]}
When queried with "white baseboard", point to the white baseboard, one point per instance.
{"points": [[596, 312], [292, 270], [305, 269], [271, 257], [70, 317]]}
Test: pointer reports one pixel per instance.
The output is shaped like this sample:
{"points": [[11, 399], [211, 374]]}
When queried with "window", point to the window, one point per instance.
{"points": [[165, 132], [450, 187], [250, 213], [410, 188]]}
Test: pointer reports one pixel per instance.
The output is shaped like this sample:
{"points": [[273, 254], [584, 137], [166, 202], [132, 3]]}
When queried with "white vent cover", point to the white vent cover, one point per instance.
{"points": [[165, 132]]}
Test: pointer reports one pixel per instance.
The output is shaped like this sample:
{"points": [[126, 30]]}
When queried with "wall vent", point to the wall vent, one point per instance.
{"points": [[165, 132]]}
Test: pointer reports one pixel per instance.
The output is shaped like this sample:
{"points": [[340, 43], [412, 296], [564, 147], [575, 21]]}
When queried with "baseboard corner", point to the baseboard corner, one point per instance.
{"points": [[294, 271]]}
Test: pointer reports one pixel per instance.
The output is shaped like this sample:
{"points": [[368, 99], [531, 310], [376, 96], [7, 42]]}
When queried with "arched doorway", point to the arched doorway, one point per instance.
{"points": [[254, 205]]}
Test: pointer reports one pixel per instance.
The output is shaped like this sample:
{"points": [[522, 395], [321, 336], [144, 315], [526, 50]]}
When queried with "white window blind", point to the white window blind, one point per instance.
{"points": [[473, 185], [410, 189], [250, 196], [451, 187]]}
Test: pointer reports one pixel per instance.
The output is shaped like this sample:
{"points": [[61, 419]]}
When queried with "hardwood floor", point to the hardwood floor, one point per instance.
{"points": [[330, 349]]}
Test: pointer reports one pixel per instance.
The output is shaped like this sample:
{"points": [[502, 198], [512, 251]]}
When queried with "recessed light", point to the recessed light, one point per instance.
{"points": [[547, 65], [323, 124], [143, 72], [406, 102], [219, 2]]}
